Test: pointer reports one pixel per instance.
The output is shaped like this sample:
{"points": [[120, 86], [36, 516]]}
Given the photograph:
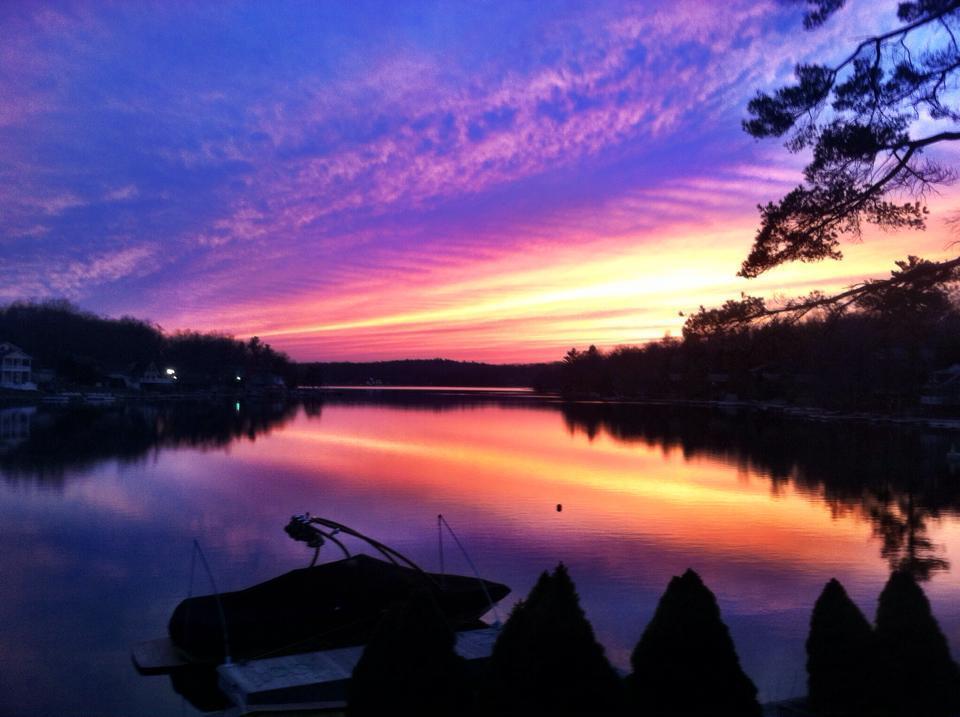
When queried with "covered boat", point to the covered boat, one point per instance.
{"points": [[322, 606]]}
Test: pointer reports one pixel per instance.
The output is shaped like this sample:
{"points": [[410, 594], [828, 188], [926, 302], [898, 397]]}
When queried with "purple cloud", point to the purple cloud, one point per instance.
{"points": [[235, 160]]}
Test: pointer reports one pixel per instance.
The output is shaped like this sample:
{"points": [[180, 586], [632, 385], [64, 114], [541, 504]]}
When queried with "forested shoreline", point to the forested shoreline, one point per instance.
{"points": [[424, 372], [901, 362], [82, 349], [884, 360]]}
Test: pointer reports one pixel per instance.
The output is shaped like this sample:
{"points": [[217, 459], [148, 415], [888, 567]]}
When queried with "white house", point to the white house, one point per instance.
{"points": [[138, 377], [15, 368], [152, 379]]}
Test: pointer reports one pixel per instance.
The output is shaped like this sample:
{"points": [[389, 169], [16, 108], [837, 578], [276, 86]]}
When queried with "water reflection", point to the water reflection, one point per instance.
{"points": [[15, 426], [897, 477], [765, 508], [48, 445]]}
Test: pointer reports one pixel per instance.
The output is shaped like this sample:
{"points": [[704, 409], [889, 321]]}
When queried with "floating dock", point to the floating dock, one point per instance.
{"points": [[158, 657], [316, 680]]}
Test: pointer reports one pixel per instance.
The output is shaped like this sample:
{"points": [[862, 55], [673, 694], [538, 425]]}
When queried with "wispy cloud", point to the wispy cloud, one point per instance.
{"points": [[354, 178], [73, 278]]}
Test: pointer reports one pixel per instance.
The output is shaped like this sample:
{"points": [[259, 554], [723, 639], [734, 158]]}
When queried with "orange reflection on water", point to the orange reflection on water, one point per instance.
{"points": [[515, 465]]}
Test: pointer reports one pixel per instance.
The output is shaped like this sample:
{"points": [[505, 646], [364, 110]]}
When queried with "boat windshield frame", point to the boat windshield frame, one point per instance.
{"points": [[299, 525]]}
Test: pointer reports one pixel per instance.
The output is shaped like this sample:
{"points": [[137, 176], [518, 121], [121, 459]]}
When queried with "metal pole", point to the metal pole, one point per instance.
{"points": [[443, 572], [483, 585], [216, 592]]}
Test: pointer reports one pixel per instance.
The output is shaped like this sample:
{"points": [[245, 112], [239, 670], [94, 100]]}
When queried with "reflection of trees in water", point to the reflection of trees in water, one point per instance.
{"points": [[896, 477], [901, 526], [78, 438]]}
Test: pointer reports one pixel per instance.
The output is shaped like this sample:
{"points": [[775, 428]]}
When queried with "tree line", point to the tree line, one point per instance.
{"points": [[546, 659], [421, 372], [83, 348], [874, 357]]}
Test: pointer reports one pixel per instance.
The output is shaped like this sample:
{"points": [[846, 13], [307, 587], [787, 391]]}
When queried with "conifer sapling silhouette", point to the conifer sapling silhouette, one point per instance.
{"points": [[547, 658], [842, 660], [924, 678], [410, 665], [685, 662]]}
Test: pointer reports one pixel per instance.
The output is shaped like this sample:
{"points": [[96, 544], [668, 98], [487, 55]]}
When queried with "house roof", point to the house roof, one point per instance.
{"points": [[8, 349]]}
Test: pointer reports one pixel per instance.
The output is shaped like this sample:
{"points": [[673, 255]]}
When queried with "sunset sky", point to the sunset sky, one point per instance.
{"points": [[497, 181]]}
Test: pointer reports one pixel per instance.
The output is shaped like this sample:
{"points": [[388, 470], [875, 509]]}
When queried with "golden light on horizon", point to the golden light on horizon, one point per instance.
{"points": [[517, 307]]}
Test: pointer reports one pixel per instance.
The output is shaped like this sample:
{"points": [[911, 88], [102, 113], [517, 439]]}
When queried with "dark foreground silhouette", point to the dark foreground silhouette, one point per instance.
{"points": [[685, 661], [547, 660]]}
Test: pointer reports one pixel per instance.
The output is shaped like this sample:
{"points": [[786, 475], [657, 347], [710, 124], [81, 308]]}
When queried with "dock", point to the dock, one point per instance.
{"points": [[316, 680], [158, 657]]}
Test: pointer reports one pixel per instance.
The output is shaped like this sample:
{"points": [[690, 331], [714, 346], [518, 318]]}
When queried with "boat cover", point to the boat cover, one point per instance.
{"points": [[321, 607]]}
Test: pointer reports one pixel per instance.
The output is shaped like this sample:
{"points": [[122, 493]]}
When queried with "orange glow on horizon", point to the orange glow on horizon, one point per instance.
{"points": [[523, 306]]}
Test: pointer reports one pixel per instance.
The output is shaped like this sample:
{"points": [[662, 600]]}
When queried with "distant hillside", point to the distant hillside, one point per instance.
{"points": [[423, 372]]}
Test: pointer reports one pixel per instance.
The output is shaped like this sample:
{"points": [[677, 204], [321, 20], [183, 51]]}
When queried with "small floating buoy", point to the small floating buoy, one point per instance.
{"points": [[559, 507]]}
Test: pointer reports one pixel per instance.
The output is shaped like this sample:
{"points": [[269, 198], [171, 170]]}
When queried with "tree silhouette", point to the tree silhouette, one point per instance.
{"points": [[924, 679], [901, 524], [547, 659], [863, 150], [410, 666], [918, 290], [584, 372], [865, 121], [842, 656], [685, 662], [84, 347]]}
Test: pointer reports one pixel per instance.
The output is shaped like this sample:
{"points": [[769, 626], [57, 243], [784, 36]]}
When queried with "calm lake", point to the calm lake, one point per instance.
{"points": [[99, 508]]}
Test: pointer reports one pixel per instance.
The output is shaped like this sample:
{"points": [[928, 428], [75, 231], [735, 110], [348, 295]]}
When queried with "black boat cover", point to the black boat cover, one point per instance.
{"points": [[321, 607]]}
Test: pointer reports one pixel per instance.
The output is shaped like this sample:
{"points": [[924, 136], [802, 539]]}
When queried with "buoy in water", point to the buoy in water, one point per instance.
{"points": [[559, 507]]}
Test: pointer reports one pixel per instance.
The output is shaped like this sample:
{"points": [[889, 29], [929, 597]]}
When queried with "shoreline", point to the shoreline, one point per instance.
{"points": [[810, 413], [16, 399]]}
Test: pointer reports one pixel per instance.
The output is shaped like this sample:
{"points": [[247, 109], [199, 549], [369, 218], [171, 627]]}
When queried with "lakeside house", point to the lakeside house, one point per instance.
{"points": [[153, 379], [142, 377], [15, 368]]}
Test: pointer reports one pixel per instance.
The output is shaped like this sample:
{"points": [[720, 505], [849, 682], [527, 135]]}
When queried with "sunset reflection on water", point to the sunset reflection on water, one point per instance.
{"points": [[107, 542]]}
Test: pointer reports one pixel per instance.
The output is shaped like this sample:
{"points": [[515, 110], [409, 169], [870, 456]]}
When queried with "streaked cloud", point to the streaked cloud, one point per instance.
{"points": [[378, 179]]}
